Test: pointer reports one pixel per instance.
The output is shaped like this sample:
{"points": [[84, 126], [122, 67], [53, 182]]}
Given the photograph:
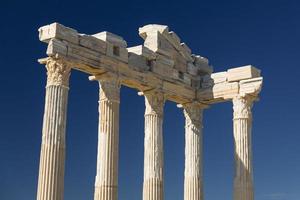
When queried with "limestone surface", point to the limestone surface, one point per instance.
{"points": [[162, 68]]}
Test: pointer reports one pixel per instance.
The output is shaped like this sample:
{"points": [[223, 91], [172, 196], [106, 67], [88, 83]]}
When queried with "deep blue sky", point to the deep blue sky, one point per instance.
{"points": [[265, 34]]}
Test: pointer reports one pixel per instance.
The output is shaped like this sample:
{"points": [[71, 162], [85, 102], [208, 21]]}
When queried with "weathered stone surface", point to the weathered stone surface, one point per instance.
{"points": [[117, 52], [145, 30], [58, 31], [241, 73], [106, 183], [193, 182], [202, 64], [242, 125], [108, 53], [57, 46], [111, 38], [153, 154], [163, 68], [92, 43], [142, 51], [52, 157], [251, 86], [138, 63]]}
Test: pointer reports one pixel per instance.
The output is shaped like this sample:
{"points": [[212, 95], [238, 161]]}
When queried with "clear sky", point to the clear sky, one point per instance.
{"points": [[265, 34]]}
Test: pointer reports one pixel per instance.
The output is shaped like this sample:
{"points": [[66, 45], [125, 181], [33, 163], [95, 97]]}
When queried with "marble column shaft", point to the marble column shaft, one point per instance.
{"points": [[106, 184], [242, 123], [153, 144], [52, 157], [193, 183]]}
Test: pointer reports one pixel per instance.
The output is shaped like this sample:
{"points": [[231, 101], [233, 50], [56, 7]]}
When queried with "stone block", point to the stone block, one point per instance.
{"points": [[56, 46], [225, 90], [192, 69], [202, 64], [174, 39], [186, 79], [142, 51], [163, 69], [58, 31], [178, 89], [138, 62], [117, 52], [145, 31], [186, 48], [219, 77], [157, 43], [207, 81], [92, 43], [111, 38], [180, 63], [251, 86], [242, 73]]}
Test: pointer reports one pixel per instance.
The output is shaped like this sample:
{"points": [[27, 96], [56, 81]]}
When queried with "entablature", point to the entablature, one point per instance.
{"points": [[163, 62]]}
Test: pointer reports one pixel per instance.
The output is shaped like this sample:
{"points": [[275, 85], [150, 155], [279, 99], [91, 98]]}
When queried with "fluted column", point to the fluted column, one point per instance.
{"points": [[193, 183], [242, 122], [52, 157], [106, 184], [153, 144]]}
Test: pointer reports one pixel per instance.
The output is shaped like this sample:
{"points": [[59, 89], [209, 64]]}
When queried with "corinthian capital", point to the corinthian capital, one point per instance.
{"points": [[110, 89], [154, 103], [242, 106], [193, 113], [58, 72]]}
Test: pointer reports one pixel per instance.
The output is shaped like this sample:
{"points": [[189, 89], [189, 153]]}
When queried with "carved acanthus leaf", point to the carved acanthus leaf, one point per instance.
{"points": [[193, 114], [242, 106], [58, 72], [109, 90], [154, 103]]}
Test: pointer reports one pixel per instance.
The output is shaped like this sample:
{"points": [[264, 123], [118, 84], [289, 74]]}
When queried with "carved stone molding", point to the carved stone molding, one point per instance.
{"points": [[154, 103], [58, 72], [242, 106]]}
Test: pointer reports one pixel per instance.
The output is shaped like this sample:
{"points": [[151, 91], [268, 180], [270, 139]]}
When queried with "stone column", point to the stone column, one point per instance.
{"points": [[52, 157], [153, 144], [242, 123], [193, 183], [106, 184]]}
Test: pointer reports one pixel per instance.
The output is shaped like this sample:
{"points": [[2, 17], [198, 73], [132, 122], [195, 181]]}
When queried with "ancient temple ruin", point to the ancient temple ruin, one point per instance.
{"points": [[161, 69]]}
